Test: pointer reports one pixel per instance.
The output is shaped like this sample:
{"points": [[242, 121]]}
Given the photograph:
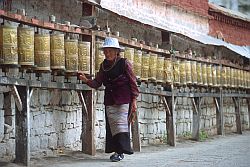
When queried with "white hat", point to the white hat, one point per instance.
{"points": [[111, 43]]}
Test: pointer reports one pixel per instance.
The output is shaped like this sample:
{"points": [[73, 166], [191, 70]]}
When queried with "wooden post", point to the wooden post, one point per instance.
{"points": [[219, 115], [248, 113], [237, 113], [22, 150], [196, 118], [136, 135]]}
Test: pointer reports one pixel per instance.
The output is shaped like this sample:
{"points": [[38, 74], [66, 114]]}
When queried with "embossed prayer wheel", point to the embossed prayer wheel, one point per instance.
{"points": [[188, 72], [232, 77], [209, 75], [194, 72], [152, 66], [183, 80], [199, 74], [218, 75], [176, 71], [204, 73], [84, 57], [137, 63], [214, 75], [228, 77], [160, 69], [145, 67], [25, 46], [168, 71], [245, 79], [241, 79], [8, 45], [71, 55], [238, 78], [42, 52], [223, 76], [99, 55], [57, 59], [129, 54]]}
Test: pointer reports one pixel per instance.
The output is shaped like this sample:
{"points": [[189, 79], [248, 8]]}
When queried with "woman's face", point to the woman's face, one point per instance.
{"points": [[110, 53]]}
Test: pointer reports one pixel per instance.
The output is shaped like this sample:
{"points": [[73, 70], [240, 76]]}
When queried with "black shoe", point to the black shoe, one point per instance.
{"points": [[116, 157]]}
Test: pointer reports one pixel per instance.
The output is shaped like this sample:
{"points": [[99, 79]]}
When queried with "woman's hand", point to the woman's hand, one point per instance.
{"points": [[133, 115], [83, 77]]}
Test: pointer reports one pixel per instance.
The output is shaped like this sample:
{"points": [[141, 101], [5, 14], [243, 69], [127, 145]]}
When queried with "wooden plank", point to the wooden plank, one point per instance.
{"points": [[220, 115], [17, 98], [196, 118], [166, 106], [136, 139], [84, 106], [237, 113], [22, 150]]}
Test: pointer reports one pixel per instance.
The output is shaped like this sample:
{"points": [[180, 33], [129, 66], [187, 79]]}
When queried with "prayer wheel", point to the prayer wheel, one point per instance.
{"points": [[218, 75], [183, 80], [199, 74], [168, 71], [188, 72], [204, 73], [8, 45], [152, 66], [214, 75], [84, 57], [209, 75], [238, 78], [57, 59], [160, 69], [232, 77], [245, 79], [129, 54], [241, 79], [99, 55], [145, 67], [71, 55], [228, 73], [25, 46], [194, 72], [137, 63], [223, 77], [42, 52], [176, 71], [122, 54], [248, 76]]}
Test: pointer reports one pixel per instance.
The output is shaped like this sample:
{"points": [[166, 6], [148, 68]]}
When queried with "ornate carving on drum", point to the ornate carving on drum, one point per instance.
{"points": [[57, 52], [8, 45], [183, 80], [42, 52], [71, 55], [152, 66], [25, 46], [168, 71], [204, 73], [160, 69], [199, 74], [84, 57], [137, 63], [176, 71], [223, 77], [188, 72], [209, 75], [129, 54], [194, 72], [99, 55], [214, 75], [145, 67]]}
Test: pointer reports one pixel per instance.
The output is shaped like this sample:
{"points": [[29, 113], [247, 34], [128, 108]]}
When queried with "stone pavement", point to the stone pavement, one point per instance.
{"points": [[232, 150]]}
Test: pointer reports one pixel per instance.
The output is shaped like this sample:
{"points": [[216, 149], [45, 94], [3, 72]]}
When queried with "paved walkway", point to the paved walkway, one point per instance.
{"points": [[222, 151]]}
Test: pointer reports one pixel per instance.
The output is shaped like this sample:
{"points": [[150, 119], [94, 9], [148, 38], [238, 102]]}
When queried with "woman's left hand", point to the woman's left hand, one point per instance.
{"points": [[132, 116]]}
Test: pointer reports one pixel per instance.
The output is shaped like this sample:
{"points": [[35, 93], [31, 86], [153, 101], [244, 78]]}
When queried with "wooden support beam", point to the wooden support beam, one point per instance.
{"points": [[22, 150], [219, 114], [17, 98], [166, 106], [84, 106], [196, 118], [237, 113], [136, 139]]}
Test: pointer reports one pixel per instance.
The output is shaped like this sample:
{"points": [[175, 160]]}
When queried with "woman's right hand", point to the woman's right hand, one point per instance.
{"points": [[83, 77]]}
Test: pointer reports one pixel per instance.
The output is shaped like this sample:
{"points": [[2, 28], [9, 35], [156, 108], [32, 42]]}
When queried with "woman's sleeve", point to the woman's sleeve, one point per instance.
{"points": [[97, 82], [132, 79]]}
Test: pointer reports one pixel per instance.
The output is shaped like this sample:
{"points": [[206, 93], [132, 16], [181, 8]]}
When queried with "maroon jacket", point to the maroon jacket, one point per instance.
{"points": [[119, 81]]}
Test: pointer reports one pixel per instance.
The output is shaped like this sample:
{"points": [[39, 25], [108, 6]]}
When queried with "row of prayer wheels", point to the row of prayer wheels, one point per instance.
{"points": [[154, 67], [21, 46]]}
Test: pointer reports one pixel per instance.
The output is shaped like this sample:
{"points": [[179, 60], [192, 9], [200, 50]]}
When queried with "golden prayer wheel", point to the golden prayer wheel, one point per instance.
{"points": [[25, 46], [71, 55], [214, 75], [194, 72], [209, 75], [228, 73], [84, 57], [99, 55], [241, 79], [57, 59], [122, 54], [188, 72], [145, 67], [176, 71], [238, 78], [152, 66], [42, 52], [218, 75], [8, 45], [245, 79], [160, 69], [137, 63], [248, 76], [183, 80], [204, 73], [223, 77], [129, 54], [232, 77], [168, 71], [199, 74]]}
